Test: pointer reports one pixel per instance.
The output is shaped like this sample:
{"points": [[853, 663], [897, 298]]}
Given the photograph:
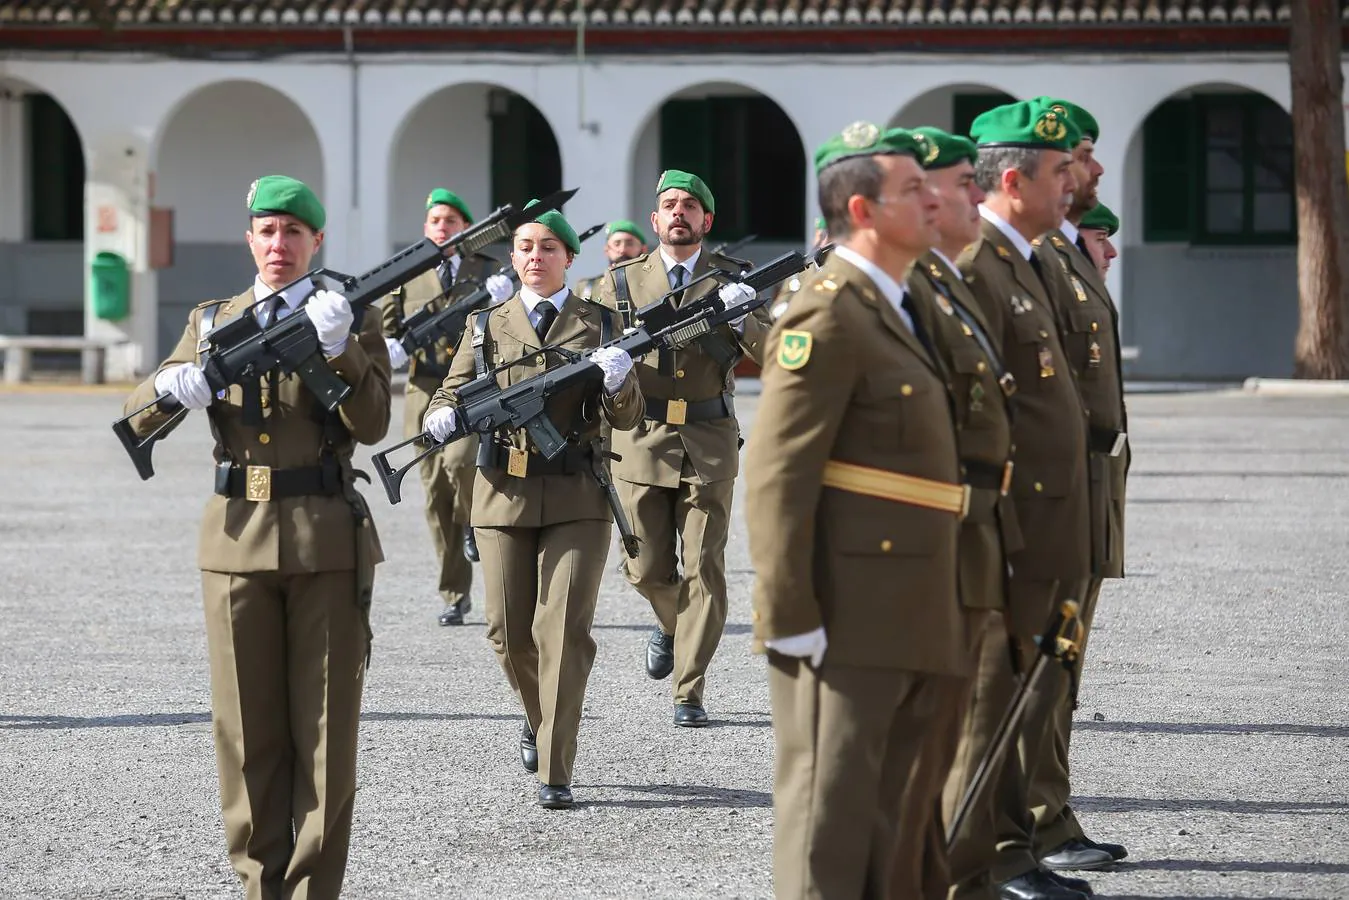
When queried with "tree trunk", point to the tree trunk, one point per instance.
{"points": [[1322, 348]]}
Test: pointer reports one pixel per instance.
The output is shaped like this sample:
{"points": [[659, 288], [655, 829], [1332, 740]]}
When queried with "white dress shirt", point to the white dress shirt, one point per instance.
{"points": [[950, 265], [291, 299], [532, 301], [670, 262], [1069, 231], [892, 290], [1018, 241]]}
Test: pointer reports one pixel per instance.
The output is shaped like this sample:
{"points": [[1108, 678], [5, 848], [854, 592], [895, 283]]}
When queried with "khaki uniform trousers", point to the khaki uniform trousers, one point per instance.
{"points": [[847, 741], [287, 655], [542, 585], [995, 844], [449, 499], [933, 769], [685, 527], [1055, 823]]}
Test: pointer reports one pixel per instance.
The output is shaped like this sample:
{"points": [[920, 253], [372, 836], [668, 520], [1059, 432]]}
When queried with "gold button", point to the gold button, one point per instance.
{"points": [[1039, 486], [264, 438], [266, 401], [1094, 326], [679, 374], [886, 545], [979, 366], [1043, 333], [906, 390]]}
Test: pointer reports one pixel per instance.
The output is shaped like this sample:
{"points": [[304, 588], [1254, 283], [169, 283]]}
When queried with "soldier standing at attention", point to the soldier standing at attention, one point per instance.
{"points": [[543, 525], [1025, 168], [1097, 226], [287, 554], [624, 240], [446, 477], [678, 467], [1089, 326], [982, 389], [853, 507]]}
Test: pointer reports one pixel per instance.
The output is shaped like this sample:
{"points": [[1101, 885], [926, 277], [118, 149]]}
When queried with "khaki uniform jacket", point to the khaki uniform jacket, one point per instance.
{"points": [[504, 501], [1049, 485], [1089, 329], [654, 452], [292, 535], [473, 271], [880, 576], [587, 287], [984, 428]]}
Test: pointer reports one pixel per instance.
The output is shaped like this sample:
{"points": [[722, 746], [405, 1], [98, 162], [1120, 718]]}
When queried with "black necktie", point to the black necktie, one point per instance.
{"points": [[547, 313], [1082, 245], [446, 274], [919, 332], [1039, 270], [678, 277]]}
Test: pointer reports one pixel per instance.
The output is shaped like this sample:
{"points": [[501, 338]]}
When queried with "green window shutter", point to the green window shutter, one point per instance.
{"points": [[525, 159], [686, 134], [965, 108], [1170, 179], [56, 172]]}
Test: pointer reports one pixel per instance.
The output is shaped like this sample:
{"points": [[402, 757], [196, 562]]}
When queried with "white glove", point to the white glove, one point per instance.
{"points": [[500, 287], [331, 314], [398, 357], [615, 363], [810, 645], [733, 294], [187, 383], [440, 423]]}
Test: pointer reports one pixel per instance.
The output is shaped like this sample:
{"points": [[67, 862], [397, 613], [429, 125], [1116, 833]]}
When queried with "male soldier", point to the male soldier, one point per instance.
{"points": [[287, 554], [624, 240], [447, 477], [677, 468], [1089, 330], [1097, 226], [982, 388], [1024, 166], [853, 511]]}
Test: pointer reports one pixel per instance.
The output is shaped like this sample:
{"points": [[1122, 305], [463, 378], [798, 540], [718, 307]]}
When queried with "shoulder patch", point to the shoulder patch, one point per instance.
{"points": [[794, 349]]}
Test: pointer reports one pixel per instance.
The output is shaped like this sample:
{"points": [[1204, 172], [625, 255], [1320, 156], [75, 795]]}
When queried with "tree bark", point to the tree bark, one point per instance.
{"points": [[1322, 346]]}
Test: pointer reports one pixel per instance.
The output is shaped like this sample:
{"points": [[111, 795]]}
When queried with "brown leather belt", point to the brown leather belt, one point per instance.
{"points": [[988, 477], [262, 483], [528, 464]]}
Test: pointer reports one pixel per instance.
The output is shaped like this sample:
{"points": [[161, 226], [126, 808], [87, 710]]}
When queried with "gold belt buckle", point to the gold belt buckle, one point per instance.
{"points": [[517, 464], [1007, 478], [258, 484], [676, 412]]}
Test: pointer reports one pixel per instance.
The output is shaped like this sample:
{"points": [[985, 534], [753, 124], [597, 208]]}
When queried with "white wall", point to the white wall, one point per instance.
{"points": [[13, 164], [446, 142], [934, 107]]}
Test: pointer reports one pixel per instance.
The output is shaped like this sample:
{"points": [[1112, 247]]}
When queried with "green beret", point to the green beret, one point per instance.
{"points": [[1033, 124], [272, 194], [865, 139], [442, 197], [1100, 218], [625, 226], [685, 181], [555, 222], [945, 149], [1082, 120]]}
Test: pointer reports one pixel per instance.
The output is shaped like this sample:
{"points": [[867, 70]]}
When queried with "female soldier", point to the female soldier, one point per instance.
{"points": [[543, 526], [287, 552]]}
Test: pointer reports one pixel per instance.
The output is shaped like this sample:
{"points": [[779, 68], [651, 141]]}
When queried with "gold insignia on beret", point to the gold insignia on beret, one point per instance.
{"points": [[794, 349], [933, 151], [1050, 128], [1060, 109], [860, 135], [252, 194], [428, 198]]}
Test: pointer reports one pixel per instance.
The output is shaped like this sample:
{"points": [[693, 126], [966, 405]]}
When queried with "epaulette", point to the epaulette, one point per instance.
{"points": [[829, 283], [212, 303], [627, 262]]}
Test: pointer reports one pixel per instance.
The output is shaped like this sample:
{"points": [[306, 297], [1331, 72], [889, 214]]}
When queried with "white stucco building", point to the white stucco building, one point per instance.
{"points": [[179, 104]]}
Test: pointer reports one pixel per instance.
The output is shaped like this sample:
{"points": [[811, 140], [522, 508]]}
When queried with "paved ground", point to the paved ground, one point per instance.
{"points": [[1213, 734]]}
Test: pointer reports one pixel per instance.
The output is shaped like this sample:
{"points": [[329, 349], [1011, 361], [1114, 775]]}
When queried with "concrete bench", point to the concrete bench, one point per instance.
{"points": [[19, 355]]}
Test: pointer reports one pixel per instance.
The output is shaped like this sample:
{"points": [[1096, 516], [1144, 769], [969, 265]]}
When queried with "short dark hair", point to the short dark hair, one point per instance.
{"points": [[993, 161], [860, 176]]}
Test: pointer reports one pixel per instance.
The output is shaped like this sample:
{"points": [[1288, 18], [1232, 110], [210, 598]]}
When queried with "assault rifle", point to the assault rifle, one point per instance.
{"points": [[242, 350], [484, 405], [428, 326], [730, 248]]}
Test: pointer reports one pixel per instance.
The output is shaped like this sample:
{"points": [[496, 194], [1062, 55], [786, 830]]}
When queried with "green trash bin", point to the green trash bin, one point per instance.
{"points": [[111, 283]]}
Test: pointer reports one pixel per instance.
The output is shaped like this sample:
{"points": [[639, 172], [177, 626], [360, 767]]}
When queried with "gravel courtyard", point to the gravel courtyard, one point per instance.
{"points": [[1212, 738]]}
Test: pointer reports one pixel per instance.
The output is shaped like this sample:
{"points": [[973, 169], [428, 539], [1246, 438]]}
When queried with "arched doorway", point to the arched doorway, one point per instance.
{"points": [[1208, 232], [748, 151], [42, 176], [488, 144], [210, 149], [951, 107]]}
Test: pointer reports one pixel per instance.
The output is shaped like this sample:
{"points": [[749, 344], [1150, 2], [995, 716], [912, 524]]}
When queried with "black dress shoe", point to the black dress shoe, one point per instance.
{"points": [[1081, 885], [1036, 885], [555, 796], [1077, 855], [1116, 851], [688, 715], [660, 654], [453, 614], [529, 750], [470, 546]]}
